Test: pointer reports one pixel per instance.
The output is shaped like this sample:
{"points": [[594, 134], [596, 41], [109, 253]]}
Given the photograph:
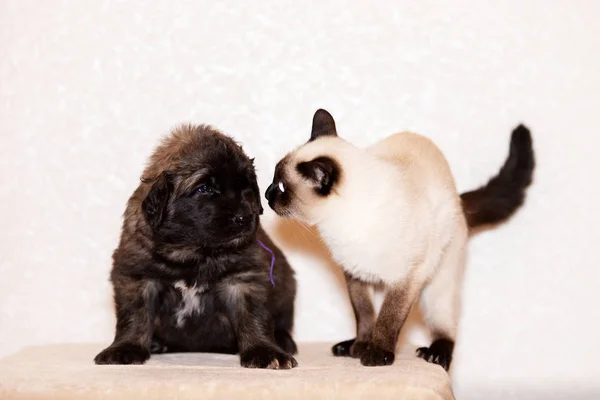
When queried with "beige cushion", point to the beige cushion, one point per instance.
{"points": [[68, 372]]}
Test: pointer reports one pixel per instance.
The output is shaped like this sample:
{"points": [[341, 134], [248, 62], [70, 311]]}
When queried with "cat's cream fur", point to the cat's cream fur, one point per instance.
{"points": [[391, 215]]}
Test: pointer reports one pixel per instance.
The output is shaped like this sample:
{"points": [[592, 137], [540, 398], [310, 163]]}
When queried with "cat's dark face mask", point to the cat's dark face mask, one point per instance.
{"points": [[303, 180]]}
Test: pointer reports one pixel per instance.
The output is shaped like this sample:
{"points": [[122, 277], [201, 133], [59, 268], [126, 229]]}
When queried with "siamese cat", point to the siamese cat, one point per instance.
{"points": [[391, 214]]}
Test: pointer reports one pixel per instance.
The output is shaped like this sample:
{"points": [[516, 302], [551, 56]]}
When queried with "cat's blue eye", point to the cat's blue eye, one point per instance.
{"points": [[205, 189]]}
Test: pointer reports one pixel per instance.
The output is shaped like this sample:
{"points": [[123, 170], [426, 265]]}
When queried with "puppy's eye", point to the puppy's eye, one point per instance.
{"points": [[205, 189], [281, 187]]}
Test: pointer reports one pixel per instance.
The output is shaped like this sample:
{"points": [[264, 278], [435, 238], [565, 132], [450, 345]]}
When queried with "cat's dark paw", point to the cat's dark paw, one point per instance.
{"points": [[374, 356], [285, 341], [440, 352], [342, 349], [125, 353], [268, 357], [358, 349]]}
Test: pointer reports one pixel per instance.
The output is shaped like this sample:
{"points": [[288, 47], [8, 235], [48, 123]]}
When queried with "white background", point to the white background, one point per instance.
{"points": [[88, 88]]}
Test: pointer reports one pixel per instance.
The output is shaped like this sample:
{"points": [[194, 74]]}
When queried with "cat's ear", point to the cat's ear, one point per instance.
{"points": [[322, 125], [155, 204], [322, 172]]}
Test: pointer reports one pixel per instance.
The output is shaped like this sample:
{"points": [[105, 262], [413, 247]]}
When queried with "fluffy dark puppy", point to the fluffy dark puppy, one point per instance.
{"points": [[188, 274]]}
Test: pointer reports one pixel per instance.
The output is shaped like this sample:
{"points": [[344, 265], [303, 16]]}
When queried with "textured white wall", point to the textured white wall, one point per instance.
{"points": [[87, 89]]}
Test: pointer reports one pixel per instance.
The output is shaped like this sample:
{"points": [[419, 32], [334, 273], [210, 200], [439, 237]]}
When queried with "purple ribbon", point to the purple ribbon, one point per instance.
{"points": [[261, 244]]}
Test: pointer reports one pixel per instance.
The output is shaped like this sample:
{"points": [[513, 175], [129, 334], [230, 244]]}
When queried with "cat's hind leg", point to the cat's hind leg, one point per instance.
{"points": [[440, 303]]}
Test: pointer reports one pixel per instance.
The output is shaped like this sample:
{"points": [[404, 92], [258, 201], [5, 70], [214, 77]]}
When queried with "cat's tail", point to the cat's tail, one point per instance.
{"points": [[503, 194]]}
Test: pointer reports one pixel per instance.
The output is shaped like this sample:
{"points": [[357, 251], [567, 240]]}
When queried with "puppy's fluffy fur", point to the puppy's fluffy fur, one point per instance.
{"points": [[188, 274], [391, 214]]}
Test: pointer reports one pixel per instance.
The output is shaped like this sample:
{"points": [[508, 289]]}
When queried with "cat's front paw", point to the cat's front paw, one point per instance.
{"points": [[374, 356], [267, 357], [358, 349], [349, 348], [126, 353], [342, 349]]}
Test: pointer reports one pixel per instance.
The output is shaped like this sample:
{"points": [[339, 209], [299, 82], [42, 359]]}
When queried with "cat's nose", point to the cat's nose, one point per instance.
{"points": [[271, 193]]}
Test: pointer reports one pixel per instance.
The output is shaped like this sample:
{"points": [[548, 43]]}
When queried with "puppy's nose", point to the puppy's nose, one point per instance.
{"points": [[241, 219]]}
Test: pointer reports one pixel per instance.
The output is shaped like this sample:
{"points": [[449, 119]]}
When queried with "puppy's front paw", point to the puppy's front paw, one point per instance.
{"points": [[285, 341], [267, 357], [374, 356], [126, 353], [158, 347]]}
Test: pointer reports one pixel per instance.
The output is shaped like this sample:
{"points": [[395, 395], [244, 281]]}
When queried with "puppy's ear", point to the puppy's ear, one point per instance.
{"points": [[323, 125], [255, 189], [256, 192], [322, 172], [155, 203]]}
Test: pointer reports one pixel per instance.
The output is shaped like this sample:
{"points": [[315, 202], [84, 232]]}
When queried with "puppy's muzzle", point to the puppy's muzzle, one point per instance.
{"points": [[242, 220]]}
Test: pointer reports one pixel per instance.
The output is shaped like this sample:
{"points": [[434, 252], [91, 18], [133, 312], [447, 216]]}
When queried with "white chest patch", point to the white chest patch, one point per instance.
{"points": [[191, 301]]}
